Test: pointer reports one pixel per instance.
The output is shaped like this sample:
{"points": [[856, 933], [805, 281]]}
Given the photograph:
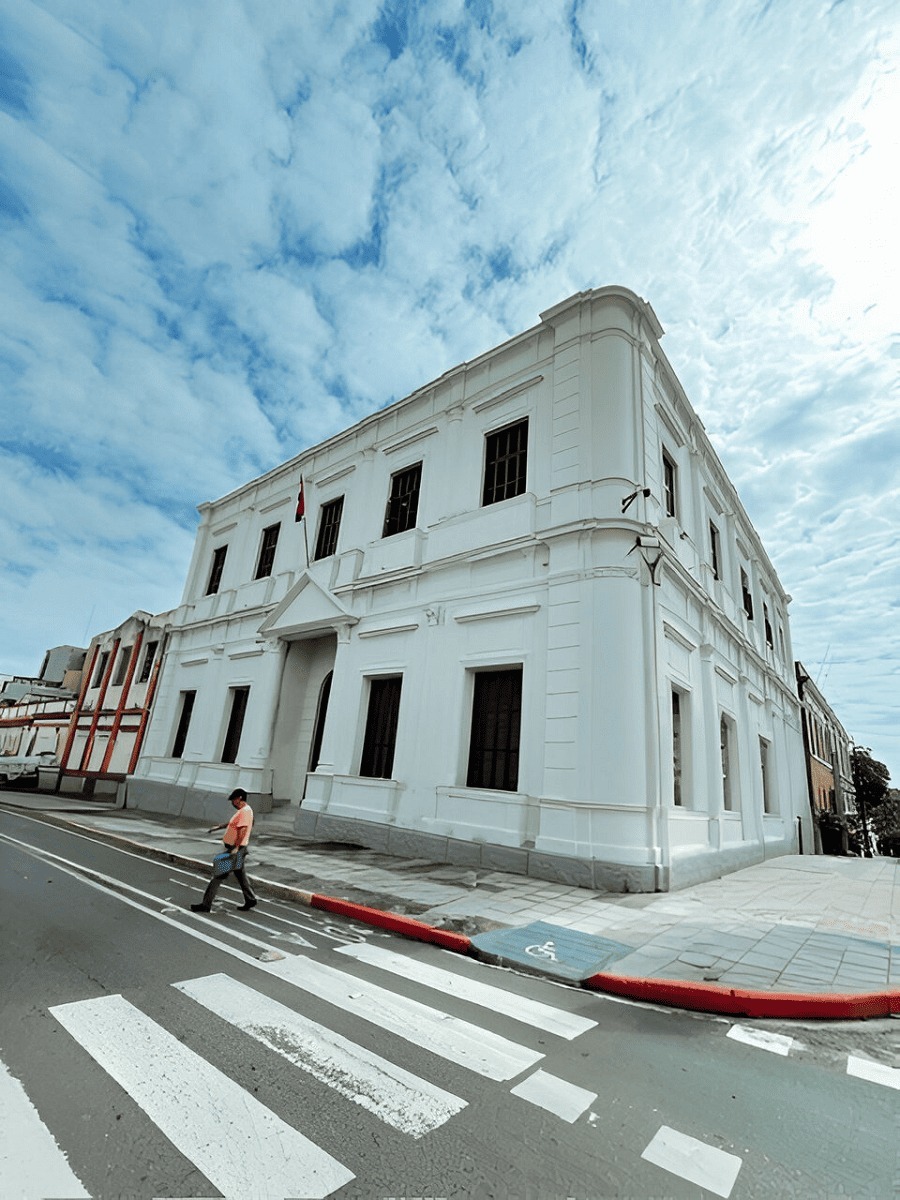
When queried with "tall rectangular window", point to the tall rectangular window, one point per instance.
{"points": [[381, 728], [677, 797], [122, 666], [184, 722], [329, 528], [746, 595], [267, 551], [768, 626], [715, 556], [403, 501], [496, 721], [149, 655], [101, 668], [215, 573], [670, 496], [505, 462], [764, 767], [726, 748], [239, 697]]}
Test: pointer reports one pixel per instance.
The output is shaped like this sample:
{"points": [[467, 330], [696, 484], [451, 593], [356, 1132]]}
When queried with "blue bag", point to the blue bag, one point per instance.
{"points": [[227, 861]]}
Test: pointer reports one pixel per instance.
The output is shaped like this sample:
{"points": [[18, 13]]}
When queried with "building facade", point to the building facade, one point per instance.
{"points": [[829, 777], [111, 714], [525, 623]]}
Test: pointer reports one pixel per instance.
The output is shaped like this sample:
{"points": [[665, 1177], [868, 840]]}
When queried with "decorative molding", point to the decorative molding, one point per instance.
{"points": [[218, 530], [194, 662], [511, 610], [408, 440], [725, 674], [333, 476], [384, 630], [677, 636], [508, 394], [669, 421], [273, 504], [256, 652]]}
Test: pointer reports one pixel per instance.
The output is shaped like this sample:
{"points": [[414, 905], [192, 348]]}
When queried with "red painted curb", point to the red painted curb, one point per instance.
{"points": [[716, 998], [408, 926]]}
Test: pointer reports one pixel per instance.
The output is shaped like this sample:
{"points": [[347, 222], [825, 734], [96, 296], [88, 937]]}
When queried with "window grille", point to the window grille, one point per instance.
{"points": [[149, 656], [329, 527], [122, 665], [239, 697], [381, 728], [267, 551], [215, 574], [184, 721], [496, 721], [505, 462], [101, 668], [403, 501]]}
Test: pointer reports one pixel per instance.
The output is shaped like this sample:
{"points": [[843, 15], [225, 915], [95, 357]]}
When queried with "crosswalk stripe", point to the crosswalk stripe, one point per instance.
{"points": [[456, 1040], [519, 1008], [706, 1166], [32, 1165], [564, 1099], [241, 1147], [396, 1096], [875, 1072], [762, 1039]]}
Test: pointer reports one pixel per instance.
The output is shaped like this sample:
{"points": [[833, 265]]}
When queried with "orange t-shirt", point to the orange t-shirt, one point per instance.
{"points": [[238, 831]]}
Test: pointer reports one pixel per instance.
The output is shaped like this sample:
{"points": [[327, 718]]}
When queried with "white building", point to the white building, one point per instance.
{"points": [[537, 632]]}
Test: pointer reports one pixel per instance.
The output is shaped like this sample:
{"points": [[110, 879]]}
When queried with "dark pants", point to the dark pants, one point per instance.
{"points": [[216, 882]]}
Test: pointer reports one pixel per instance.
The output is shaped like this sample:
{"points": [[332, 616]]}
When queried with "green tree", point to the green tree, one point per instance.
{"points": [[885, 823], [871, 779]]}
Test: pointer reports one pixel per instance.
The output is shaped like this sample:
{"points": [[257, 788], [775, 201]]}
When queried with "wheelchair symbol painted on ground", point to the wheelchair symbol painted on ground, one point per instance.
{"points": [[547, 950]]}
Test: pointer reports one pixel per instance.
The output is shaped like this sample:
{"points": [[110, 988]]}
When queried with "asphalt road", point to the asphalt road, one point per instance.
{"points": [[150, 1052]]}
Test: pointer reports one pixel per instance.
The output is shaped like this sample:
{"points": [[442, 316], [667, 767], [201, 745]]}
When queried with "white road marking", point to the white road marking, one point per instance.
{"points": [[777, 1043], [520, 1008], [401, 1099], [241, 1147], [693, 1160], [32, 1165], [450, 1037], [874, 1072], [563, 1099]]}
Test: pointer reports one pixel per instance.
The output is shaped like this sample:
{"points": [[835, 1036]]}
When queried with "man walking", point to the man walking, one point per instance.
{"points": [[236, 839]]}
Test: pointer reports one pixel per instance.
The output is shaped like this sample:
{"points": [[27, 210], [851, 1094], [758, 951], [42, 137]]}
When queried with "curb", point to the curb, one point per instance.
{"points": [[675, 993]]}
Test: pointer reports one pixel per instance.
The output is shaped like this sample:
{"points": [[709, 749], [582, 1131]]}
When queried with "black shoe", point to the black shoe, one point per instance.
{"points": [[248, 906], [200, 908]]}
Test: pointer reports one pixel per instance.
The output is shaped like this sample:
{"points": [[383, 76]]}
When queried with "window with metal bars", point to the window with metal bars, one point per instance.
{"points": [[496, 721], [122, 666], [403, 501], [239, 698], [149, 655], [670, 496], [381, 728], [101, 668], [184, 722], [267, 551], [505, 462], [329, 527], [215, 574]]}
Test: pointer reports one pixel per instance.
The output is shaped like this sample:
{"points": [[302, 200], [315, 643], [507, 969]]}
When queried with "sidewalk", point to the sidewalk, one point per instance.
{"points": [[796, 936]]}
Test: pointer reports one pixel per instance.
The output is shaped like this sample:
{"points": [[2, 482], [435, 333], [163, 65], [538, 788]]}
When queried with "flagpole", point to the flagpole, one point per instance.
{"points": [[300, 515], [306, 541]]}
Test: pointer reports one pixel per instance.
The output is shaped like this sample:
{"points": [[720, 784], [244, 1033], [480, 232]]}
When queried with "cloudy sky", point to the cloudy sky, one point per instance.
{"points": [[230, 228]]}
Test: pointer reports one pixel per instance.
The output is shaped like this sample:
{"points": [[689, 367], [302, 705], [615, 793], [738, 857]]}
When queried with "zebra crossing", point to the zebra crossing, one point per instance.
{"points": [[243, 1148]]}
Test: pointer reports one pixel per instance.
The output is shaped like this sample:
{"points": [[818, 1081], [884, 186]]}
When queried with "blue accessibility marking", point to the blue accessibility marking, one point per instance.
{"points": [[551, 949]]}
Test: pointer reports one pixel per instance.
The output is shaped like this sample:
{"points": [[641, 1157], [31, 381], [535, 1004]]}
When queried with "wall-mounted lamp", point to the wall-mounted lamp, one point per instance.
{"points": [[630, 499]]}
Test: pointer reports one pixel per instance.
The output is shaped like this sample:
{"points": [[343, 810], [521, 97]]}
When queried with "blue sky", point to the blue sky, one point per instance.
{"points": [[230, 229]]}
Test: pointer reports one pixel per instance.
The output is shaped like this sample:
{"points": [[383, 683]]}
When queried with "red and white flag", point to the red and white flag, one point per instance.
{"points": [[301, 503]]}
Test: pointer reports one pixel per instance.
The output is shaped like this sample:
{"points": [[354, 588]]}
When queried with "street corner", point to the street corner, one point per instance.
{"points": [[568, 955]]}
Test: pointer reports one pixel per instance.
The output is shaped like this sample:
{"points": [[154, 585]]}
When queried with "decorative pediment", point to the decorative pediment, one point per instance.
{"points": [[306, 611]]}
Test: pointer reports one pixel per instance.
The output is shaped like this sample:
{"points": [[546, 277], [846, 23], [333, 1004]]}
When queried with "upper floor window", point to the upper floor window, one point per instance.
{"points": [[765, 771], [329, 528], [403, 501], [726, 750], [747, 595], [149, 655], [505, 462], [670, 496], [122, 665], [768, 627], [101, 668], [267, 551], [218, 566], [184, 722], [677, 750], [381, 728], [715, 553], [494, 741]]}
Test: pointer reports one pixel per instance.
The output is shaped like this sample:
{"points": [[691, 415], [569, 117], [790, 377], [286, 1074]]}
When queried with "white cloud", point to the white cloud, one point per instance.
{"points": [[242, 226]]}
